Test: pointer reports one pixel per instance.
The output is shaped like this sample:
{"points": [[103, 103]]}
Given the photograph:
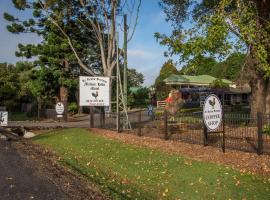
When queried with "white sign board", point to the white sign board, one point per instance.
{"points": [[59, 109], [94, 91], [3, 118], [212, 112]]}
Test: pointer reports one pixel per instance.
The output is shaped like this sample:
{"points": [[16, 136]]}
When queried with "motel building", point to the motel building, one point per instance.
{"points": [[194, 90]]}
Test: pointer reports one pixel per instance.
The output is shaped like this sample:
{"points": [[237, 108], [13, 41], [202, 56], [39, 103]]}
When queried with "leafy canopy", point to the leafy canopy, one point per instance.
{"points": [[219, 27]]}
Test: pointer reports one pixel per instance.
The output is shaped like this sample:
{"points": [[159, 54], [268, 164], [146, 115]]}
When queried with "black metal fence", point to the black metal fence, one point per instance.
{"points": [[109, 120], [241, 131]]}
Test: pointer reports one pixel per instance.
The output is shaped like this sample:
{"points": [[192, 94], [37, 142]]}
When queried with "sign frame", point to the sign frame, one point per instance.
{"points": [[207, 99], [3, 120], [94, 91], [206, 129], [59, 109]]}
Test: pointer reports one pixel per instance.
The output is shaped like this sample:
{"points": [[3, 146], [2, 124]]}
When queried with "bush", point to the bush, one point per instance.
{"points": [[266, 129], [72, 108]]}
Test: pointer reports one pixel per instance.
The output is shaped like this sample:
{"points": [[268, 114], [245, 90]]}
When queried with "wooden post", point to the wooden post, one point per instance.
{"points": [[91, 115], [103, 117], [100, 117], [260, 139], [165, 125], [139, 123], [204, 135], [223, 131], [118, 125]]}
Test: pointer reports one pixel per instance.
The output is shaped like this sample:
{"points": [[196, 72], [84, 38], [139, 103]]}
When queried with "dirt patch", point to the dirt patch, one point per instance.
{"points": [[46, 163], [245, 162]]}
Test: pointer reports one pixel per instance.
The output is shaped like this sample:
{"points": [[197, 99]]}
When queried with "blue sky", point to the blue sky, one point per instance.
{"points": [[144, 53]]}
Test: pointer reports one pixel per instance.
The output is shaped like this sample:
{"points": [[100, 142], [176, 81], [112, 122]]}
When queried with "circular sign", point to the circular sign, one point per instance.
{"points": [[59, 108], [212, 112]]}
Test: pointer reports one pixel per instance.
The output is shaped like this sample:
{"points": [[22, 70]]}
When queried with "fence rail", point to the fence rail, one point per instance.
{"points": [[242, 132]]}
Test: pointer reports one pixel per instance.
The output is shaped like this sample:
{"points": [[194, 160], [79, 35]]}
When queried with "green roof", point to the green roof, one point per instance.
{"points": [[192, 80]]}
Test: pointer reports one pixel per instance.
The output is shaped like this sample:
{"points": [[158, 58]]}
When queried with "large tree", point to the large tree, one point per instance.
{"points": [[54, 54], [96, 18], [219, 27], [230, 68]]}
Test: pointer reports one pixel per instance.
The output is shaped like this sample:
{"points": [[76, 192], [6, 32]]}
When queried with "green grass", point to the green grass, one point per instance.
{"points": [[128, 172]]}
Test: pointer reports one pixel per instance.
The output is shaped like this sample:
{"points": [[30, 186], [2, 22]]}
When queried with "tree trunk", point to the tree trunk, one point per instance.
{"points": [[257, 102], [267, 98], [63, 99], [260, 86], [38, 109], [260, 95], [78, 101]]}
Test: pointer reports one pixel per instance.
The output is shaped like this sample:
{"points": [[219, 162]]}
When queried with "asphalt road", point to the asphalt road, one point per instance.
{"points": [[19, 180], [83, 122]]}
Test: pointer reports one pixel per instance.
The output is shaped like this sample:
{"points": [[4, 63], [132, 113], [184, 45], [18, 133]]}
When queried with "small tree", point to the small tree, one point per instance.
{"points": [[219, 84], [166, 70]]}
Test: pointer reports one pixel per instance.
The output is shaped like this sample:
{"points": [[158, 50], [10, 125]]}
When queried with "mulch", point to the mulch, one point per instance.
{"points": [[47, 164], [245, 162]]}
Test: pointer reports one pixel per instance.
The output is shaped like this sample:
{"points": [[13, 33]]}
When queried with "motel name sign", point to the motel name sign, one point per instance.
{"points": [[94, 91]]}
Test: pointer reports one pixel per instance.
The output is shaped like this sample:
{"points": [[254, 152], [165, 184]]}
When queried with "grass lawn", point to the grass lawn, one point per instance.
{"points": [[128, 172]]}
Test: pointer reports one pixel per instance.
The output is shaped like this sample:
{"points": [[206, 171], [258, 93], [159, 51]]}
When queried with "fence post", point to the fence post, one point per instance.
{"points": [[91, 115], [165, 125], [223, 132], [104, 117], [101, 117], [118, 125], [204, 135], [139, 123], [260, 139]]}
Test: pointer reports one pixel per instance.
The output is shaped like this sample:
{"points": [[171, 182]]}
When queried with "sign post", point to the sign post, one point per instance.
{"points": [[213, 116], [94, 91], [3, 118]]}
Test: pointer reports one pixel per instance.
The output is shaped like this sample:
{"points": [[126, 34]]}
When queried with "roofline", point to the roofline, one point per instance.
{"points": [[187, 83]]}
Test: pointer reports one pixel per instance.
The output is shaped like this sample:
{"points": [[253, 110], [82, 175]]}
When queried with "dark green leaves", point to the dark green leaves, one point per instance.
{"points": [[9, 17], [20, 4], [15, 28]]}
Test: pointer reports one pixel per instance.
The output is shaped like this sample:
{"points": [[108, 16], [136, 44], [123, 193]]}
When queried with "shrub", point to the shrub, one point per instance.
{"points": [[72, 108], [266, 129]]}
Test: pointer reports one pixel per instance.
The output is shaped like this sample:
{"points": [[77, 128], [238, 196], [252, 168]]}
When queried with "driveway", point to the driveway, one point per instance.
{"points": [[20, 180]]}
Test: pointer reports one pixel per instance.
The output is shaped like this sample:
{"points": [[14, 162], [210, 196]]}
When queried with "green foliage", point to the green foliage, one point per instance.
{"points": [[56, 64], [219, 28], [228, 69], [266, 129], [9, 17], [219, 84], [166, 70], [162, 90], [9, 86], [73, 108], [124, 171], [199, 66], [135, 79], [139, 99]]}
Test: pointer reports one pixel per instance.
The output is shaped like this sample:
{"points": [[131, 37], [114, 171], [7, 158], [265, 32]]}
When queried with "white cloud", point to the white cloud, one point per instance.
{"points": [[147, 62], [138, 53]]}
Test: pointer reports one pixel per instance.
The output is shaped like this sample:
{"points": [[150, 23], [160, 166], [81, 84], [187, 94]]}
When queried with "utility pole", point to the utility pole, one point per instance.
{"points": [[117, 84], [122, 122], [125, 61]]}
